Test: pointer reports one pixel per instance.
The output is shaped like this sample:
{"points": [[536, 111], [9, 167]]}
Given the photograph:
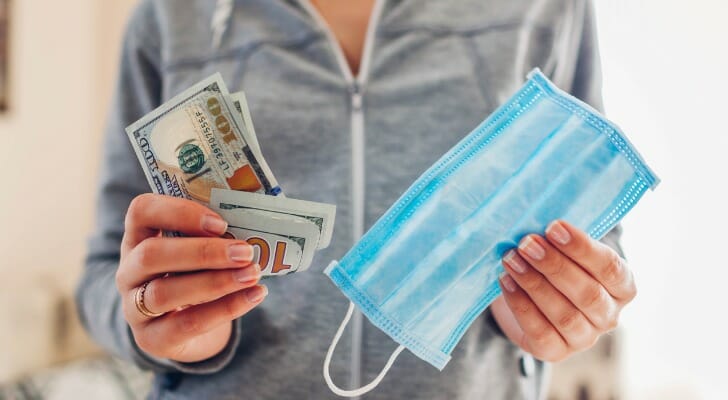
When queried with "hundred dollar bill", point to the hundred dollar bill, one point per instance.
{"points": [[282, 244], [193, 143], [241, 104], [320, 214]]}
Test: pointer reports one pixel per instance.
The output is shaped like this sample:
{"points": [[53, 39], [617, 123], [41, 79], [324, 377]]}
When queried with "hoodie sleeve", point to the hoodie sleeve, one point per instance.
{"points": [[138, 91], [587, 82]]}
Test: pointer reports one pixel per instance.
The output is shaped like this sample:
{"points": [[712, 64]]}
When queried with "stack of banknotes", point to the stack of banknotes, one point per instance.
{"points": [[201, 145]]}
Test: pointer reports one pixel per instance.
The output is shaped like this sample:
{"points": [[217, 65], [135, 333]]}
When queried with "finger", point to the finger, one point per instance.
{"points": [[567, 277], [179, 327], [569, 321], [177, 291], [505, 319], [598, 259], [148, 214], [540, 338], [157, 256]]}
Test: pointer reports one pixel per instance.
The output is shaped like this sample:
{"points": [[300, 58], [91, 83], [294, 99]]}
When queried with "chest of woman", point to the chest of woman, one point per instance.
{"points": [[432, 72]]}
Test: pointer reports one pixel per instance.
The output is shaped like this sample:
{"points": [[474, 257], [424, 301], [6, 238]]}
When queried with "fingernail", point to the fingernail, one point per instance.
{"points": [[557, 232], [241, 252], [532, 248], [248, 275], [508, 283], [256, 294], [214, 225], [514, 262]]}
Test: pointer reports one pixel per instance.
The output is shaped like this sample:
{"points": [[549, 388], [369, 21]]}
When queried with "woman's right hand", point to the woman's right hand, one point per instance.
{"points": [[201, 282]]}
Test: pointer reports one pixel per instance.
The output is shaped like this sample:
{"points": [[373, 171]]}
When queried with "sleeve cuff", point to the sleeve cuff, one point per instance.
{"points": [[208, 366], [490, 320], [612, 239]]}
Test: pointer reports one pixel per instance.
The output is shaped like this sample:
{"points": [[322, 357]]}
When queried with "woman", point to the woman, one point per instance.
{"points": [[418, 75]]}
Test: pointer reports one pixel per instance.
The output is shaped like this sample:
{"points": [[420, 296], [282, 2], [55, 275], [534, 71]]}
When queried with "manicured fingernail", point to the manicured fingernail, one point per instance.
{"points": [[557, 232], [514, 262], [508, 283], [256, 294], [532, 248], [214, 225], [248, 275], [241, 252]]}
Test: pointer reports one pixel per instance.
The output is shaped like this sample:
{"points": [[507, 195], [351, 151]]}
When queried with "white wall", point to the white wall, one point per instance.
{"points": [[665, 67], [62, 60]]}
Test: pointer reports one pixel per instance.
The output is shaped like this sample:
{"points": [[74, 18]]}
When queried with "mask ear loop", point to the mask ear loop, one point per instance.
{"points": [[366, 388]]}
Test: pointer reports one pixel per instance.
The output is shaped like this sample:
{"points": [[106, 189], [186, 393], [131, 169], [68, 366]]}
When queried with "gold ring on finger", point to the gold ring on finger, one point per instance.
{"points": [[139, 301]]}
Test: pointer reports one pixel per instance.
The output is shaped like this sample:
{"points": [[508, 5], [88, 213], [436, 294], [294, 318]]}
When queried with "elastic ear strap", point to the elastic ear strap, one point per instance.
{"points": [[366, 388]]}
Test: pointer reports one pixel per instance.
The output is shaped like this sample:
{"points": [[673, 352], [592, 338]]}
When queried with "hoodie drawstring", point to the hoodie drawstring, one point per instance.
{"points": [[220, 21]]}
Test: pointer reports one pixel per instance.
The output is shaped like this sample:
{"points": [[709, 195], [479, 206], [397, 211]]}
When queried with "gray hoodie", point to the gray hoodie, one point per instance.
{"points": [[431, 71]]}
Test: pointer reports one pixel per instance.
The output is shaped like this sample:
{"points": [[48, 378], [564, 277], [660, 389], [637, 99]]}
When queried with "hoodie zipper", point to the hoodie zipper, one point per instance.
{"points": [[357, 85]]}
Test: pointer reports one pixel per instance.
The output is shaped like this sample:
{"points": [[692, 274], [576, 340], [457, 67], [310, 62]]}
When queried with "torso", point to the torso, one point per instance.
{"points": [[437, 69]]}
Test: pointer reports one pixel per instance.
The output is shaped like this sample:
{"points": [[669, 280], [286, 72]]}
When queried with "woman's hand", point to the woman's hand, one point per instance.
{"points": [[200, 282], [561, 292]]}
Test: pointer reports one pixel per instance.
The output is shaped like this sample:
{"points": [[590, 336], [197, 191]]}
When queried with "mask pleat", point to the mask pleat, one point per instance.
{"points": [[585, 209], [459, 195], [594, 181], [491, 134], [437, 175], [470, 291], [449, 259], [486, 130]]}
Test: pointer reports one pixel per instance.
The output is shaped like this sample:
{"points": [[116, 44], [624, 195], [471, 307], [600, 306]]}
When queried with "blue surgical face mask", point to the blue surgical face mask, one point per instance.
{"points": [[430, 265]]}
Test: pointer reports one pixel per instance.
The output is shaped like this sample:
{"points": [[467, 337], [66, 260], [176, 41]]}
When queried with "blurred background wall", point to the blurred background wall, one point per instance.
{"points": [[666, 78], [665, 67], [62, 62]]}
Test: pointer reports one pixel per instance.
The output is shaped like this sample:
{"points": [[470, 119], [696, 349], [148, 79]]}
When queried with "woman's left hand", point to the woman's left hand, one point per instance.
{"points": [[561, 292]]}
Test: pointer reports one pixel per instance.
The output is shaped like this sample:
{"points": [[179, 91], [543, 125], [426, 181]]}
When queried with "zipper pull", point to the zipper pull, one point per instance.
{"points": [[356, 97]]}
